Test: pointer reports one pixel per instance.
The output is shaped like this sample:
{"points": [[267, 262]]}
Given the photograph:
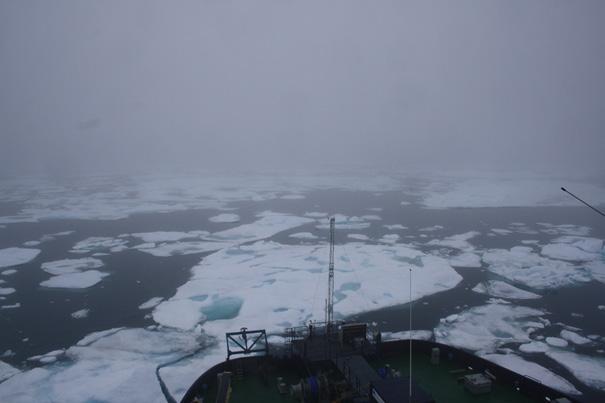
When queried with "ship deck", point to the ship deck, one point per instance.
{"points": [[441, 381]]}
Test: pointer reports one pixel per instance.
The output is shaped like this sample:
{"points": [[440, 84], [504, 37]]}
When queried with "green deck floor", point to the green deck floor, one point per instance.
{"points": [[443, 385]]}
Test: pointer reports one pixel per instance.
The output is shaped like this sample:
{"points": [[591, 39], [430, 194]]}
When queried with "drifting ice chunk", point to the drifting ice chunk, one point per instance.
{"points": [[225, 218], [394, 226], [466, 259], [501, 289], [532, 370], [6, 291], [556, 342], [534, 347], [8, 272], [315, 214], [13, 306], [501, 231], [6, 371], [565, 229], [75, 280], [589, 370], [459, 241], [66, 266], [81, 314], [574, 337], [16, 256], [94, 244], [359, 237], [489, 326], [181, 248], [168, 236], [567, 252], [303, 235], [523, 266], [389, 238], [151, 303], [592, 245], [269, 225], [344, 222]]}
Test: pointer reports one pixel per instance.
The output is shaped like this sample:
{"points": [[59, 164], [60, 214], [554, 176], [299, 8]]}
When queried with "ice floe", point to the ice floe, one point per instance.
{"points": [[501, 191], [574, 337], [6, 291], [501, 231], [521, 265], [344, 222], [103, 244], [168, 236], [16, 256], [303, 235], [181, 248], [151, 303], [315, 214], [458, 241], [392, 227], [389, 238], [359, 237], [486, 327], [123, 361], [567, 252], [80, 314], [229, 287], [225, 218], [500, 289], [431, 228], [6, 371], [589, 370], [534, 347], [556, 342], [269, 224], [466, 259], [532, 370], [66, 266], [74, 280], [8, 272]]}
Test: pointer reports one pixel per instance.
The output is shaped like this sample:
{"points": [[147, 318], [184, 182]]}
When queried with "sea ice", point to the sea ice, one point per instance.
{"points": [[432, 228], [8, 272], [500, 289], [94, 244], [13, 306], [292, 197], [484, 328], [81, 314], [181, 248], [303, 235], [315, 214], [371, 217], [359, 237], [225, 218], [66, 266], [75, 280], [31, 243], [268, 225], [465, 259], [459, 241], [367, 277], [589, 370], [392, 227], [501, 231], [6, 371], [168, 236], [344, 222], [16, 256], [591, 245], [6, 291], [117, 364], [151, 303], [556, 342], [523, 266], [567, 252], [574, 337], [532, 370], [389, 238], [534, 347]]}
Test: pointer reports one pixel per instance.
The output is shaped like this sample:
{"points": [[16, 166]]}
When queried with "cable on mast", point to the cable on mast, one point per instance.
{"points": [[330, 303]]}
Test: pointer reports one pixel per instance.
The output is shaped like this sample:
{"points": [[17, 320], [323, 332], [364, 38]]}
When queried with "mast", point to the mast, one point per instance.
{"points": [[330, 302]]}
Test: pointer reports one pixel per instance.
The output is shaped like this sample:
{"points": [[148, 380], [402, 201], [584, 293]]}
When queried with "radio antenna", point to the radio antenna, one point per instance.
{"points": [[577, 198]]}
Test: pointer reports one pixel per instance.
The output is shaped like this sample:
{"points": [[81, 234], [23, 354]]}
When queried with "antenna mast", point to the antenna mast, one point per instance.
{"points": [[330, 302]]}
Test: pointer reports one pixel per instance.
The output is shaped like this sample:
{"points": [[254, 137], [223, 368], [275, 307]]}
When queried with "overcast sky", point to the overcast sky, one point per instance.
{"points": [[147, 86]]}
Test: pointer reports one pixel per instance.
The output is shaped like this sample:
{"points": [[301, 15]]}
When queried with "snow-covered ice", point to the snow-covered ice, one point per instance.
{"points": [[556, 342], [484, 328], [151, 303], [389, 238], [359, 237], [225, 218], [405, 335], [458, 241], [500, 289], [74, 280], [16, 256], [534, 347], [533, 370], [8, 272], [268, 225], [344, 222], [521, 265], [66, 266], [589, 370], [392, 227], [80, 314], [168, 236], [367, 277], [11, 306], [6, 371], [574, 337], [181, 248], [103, 244], [6, 291], [567, 252], [466, 259], [303, 235]]}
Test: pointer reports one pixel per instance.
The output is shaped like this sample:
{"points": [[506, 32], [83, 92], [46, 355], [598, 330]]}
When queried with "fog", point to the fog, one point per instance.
{"points": [[153, 86]]}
